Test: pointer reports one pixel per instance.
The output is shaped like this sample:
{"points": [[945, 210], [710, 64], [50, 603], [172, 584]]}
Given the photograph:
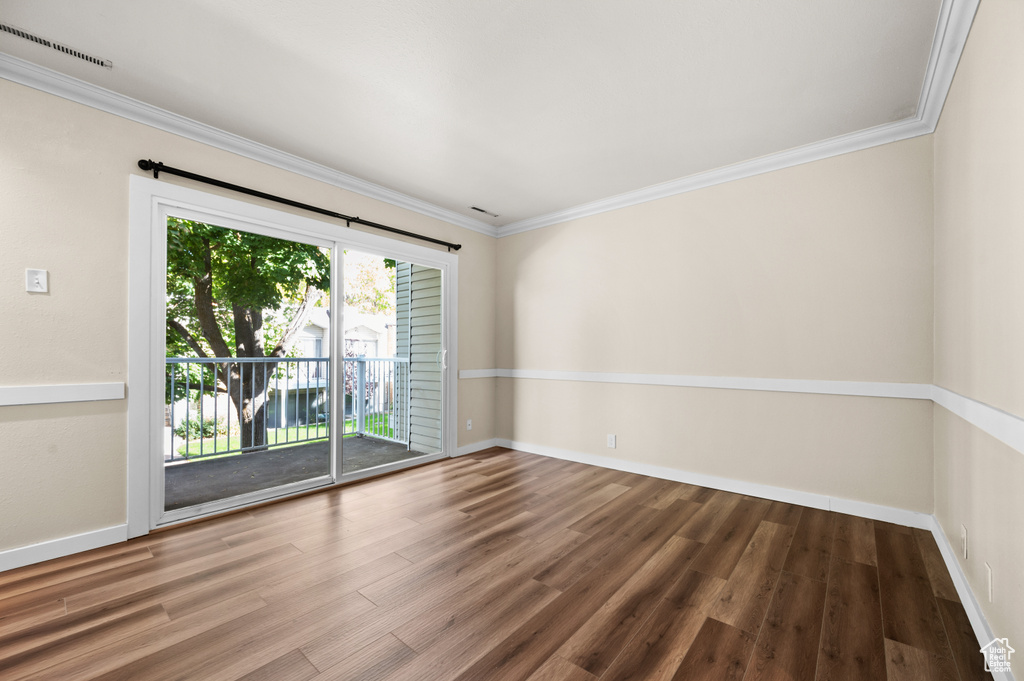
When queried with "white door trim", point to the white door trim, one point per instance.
{"points": [[150, 201]]}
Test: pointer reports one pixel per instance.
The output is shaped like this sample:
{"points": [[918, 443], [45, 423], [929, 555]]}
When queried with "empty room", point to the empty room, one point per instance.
{"points": [[512, 341]]}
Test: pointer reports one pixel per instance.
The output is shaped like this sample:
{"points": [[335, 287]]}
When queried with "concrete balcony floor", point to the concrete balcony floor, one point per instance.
{"points": [[196, 482]]}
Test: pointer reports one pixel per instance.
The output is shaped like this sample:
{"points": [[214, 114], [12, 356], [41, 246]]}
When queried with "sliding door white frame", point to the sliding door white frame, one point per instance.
{"points": [[151, 201]]}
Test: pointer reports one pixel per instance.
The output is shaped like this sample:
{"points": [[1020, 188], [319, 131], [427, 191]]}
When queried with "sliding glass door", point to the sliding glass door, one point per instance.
{"points": [[394, 360], [278, 354], [247, 410]]}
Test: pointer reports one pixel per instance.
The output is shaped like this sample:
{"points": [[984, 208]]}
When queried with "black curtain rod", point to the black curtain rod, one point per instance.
{"points": [[158, 167]]}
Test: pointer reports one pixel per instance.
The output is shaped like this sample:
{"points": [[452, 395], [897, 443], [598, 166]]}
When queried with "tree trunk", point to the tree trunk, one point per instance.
{"points": [[203, 289], [251, 401], [245, 383], [249, 397], [249, 380]]}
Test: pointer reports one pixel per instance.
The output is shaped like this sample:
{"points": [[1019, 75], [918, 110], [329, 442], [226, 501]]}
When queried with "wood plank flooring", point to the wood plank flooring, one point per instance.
{"points": [[498, 566]]}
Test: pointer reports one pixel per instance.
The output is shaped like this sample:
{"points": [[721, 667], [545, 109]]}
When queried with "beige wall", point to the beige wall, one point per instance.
{"points": [[899, 263], [978, 484], [979, 304], [821, 271], [876, 450], [63, 470], [64, 174], [979, 215]]}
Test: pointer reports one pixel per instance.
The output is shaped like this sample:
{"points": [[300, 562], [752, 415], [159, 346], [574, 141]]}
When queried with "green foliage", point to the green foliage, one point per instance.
{"points": [[246, 270], [193, 429], [249, 270], [370, 283]]}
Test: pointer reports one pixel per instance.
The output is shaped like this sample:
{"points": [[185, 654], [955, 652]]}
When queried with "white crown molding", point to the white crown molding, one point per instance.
{"points": [[54, 394], [56, 83], [951, 31], [856, 141], [952, 28]]}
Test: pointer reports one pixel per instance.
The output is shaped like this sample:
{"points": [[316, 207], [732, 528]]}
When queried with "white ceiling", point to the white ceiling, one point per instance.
{"points": [[522, 107]]}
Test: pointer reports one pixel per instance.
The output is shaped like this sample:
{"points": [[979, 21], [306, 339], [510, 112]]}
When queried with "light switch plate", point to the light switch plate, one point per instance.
{"points": [[36, 281]]}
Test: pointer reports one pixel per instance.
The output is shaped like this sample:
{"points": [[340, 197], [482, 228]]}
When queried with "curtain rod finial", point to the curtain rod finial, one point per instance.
{"points": [[148, 164]]}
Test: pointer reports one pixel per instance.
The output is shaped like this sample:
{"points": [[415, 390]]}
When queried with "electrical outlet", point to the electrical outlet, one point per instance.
{"points": [[963, 541], [469, 424], [988, 571], [611, 441]]}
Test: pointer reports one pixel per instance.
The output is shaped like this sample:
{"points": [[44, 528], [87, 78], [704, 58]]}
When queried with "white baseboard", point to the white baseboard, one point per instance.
{"points": [[476, 447], [65, 546], [862, 509], [979, 623], [859, 508], [56, 548]]}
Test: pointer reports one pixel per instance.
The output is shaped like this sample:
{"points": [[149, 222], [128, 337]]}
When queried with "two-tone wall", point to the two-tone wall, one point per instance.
{"points": [[900, 264], [64, 171], [821, 271], [979, 307], [830, 296]]}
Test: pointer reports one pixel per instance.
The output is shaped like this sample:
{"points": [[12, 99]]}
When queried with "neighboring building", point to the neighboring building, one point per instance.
{"points": [[418, 310]]}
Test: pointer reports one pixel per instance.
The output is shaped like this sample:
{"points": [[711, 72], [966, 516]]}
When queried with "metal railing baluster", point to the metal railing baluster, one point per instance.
{"points": [[188, 420], [229, 408], [241, 403], [173, 367], [266, 412], [202, 394], [378, 407], [216, 399]]}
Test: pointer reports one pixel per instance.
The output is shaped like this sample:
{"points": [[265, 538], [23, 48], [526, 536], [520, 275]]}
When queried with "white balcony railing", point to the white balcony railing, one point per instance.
{"points": [[220, 406]]}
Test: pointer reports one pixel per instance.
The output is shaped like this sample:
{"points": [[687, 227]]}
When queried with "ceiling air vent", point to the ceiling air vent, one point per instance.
{"points": [[7, 28]]}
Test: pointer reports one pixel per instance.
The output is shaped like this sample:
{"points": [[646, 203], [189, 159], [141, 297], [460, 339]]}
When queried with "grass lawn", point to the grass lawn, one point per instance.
{"points": [[279, 438]]}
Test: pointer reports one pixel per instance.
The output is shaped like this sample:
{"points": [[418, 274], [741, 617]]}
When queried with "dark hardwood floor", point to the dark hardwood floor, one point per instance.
{"points": [[498, 566]]}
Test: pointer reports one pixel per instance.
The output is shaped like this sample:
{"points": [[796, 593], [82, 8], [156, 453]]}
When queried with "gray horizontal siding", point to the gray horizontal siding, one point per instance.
{"points": [[423, 348]]}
